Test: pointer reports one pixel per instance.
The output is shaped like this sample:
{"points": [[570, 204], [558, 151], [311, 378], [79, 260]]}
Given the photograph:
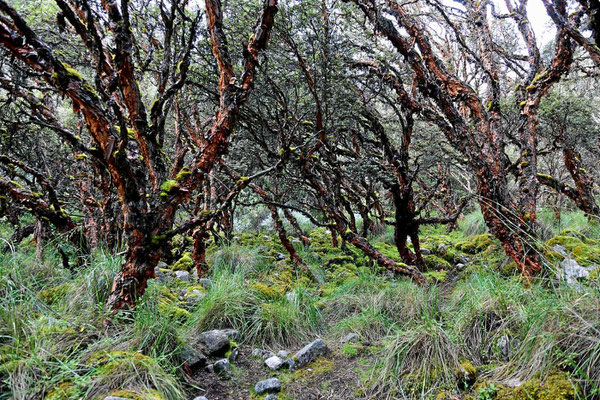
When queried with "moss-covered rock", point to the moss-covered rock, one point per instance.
{"points": [[476, 244], [185, 263], [55, 293]]}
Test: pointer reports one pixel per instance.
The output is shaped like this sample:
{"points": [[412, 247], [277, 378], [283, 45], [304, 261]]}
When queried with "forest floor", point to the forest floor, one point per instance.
{"points": [[476, 331]]}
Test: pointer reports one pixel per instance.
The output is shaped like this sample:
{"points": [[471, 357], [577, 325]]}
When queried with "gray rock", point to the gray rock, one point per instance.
{"points": [[217, 341], [280, 256], [442, 248], [288, 364], [504, 347], [222, 366], [272, 385], [233, 356], [572, 271], [159, 274], [274, 363], [206, 283], [461, 259], [291, 296], [351, 338], [183, 276], [460, 266], [260, 353], [271, 396], [560, 250], [309, 353], [283, 354], [425, 251], [200, 398], [193, 359], [210, 368]]}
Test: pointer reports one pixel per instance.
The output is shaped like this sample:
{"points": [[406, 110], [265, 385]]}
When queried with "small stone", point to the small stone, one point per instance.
{"points": [[571, 270], [206, 283], [442, 248], [291, 296], [425, 252], [309, 353], [351, 338], [183, 276], [280, 256], [460, 266], [272, 385], [210, 368], [159, 274], [233, 356], [504, 347], [283, 354], [200, 398], [288, 364], [260, 353], [271, 396], [560, 250], [222, 366], [460, 259], [217, 341], [274, 363]]}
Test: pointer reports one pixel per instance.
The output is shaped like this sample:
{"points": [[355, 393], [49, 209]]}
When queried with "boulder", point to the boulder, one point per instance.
{"points": [[274, 363], [272, 385], [572, 271], [159, 274], [442, 248], [425, 251], [217, 342], [309, 353]]}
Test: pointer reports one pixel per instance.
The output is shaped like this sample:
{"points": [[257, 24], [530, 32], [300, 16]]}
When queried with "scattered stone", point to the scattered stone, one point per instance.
{"points": [[183, 276], [260, 353], [351, 338], [206, 283], [159, 274], [233, 356], [442, 248], [266, 237], [194, 275], [200, 398], [291, 296], [504, 347], [560, 250], [217, 341], [280, 256], [283, 354], [460, 266], [460, 259], [222, 366], [425, 251], [272, 385], [288, 364], [274, 363], [571, 270], [271, 396], [309, 353], [210, 368], [193, 359]]}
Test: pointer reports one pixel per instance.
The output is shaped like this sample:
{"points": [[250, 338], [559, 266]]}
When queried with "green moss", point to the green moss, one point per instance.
{"points": [[137, 394], [54, 294], [522, 104], [266, 291], [185, 263], [91, 90], [318, 367], [169, 186], [351, 350], [64, 391], [172, 310], [476, 244], [555, 387], [436, 263], [72, 72], [530, 88], [183, 173], [436, 276]]}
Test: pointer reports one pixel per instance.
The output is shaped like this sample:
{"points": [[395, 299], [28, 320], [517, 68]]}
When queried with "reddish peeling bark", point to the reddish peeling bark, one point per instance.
{"points": [[294, 223]]}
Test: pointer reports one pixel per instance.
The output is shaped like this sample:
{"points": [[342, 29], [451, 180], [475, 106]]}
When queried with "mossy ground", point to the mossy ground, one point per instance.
{"points": [[58, 341]]}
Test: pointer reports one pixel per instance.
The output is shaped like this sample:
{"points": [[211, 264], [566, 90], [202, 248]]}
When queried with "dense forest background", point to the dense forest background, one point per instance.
{"points": [[410, 189]]}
